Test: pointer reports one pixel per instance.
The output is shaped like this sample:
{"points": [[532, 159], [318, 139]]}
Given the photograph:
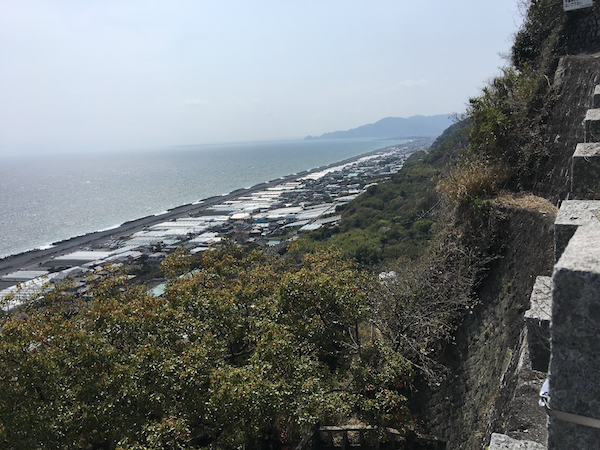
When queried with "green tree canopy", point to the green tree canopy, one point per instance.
{"points": [[244, 350]]}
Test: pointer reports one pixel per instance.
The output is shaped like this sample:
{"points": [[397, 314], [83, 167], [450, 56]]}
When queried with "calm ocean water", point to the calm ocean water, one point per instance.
{"points": [[44, 199]]}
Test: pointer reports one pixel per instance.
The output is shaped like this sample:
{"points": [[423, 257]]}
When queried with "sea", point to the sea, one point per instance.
{"points": [[52, 197]]}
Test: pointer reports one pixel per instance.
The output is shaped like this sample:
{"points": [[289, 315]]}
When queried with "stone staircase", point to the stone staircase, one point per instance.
{"points": [[563, 322]]}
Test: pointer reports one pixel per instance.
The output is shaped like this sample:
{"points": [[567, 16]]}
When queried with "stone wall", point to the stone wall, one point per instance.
{"points": [[574, 84], [583, 30], [468, 405]]}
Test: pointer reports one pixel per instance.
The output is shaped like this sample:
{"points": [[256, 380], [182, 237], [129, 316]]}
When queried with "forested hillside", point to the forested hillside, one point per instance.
{"points": [[396, 218]]}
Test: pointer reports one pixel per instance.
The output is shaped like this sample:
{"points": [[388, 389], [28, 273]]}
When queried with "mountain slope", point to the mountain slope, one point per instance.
{"points": [[395, 127]]}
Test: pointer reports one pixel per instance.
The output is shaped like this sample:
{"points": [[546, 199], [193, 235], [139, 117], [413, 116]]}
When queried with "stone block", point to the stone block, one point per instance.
{"points": [[537, 321], [597, 95], [572, 214], [504, 442], [592, 125], [586, 169], [575, 333]]}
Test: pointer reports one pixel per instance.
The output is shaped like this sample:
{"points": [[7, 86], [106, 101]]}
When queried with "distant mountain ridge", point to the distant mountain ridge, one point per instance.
{"points": [[395, 127]]}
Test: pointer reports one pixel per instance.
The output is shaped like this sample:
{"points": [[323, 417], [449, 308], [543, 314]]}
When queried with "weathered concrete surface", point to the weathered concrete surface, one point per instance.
{"points": [[520, 416], [537, 321], [592, 125], [572, 214], [575, 361], [597, 96], [585, 170], [504, 442]]}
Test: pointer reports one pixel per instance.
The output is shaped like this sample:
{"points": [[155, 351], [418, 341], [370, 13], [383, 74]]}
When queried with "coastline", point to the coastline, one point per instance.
{"points": [[33, 257]]}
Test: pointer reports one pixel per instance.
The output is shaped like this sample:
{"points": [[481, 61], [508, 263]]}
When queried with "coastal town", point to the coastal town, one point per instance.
{"points": [[270, 216]]}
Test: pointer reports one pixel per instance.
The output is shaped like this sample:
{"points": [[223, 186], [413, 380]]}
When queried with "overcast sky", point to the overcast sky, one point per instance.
{"points": [[134, 74]]}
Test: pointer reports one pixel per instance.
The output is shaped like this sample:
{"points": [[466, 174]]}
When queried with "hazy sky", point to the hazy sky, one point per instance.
{"points": [[112, 74]]}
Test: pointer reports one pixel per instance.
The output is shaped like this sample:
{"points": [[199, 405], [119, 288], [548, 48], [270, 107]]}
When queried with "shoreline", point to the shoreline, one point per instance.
{"points": [[14, 262]]}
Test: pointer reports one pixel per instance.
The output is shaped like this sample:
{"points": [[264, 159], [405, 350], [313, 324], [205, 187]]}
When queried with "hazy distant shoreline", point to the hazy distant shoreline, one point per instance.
{"points": [[50, 198], [32, 257]]}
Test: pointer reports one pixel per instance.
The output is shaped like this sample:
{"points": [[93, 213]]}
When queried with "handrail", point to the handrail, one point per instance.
{"points": [[314, 440], [344, 429], [314, 429]]}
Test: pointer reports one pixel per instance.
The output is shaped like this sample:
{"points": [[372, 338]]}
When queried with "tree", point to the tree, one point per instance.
{"points": [[245, 350]]}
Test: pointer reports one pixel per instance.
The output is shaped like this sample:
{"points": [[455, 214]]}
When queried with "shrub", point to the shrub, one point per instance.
{"points": [[474, 180]]}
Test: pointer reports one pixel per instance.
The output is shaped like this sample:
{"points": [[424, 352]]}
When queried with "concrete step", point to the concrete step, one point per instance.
{"points": [[537, 321], [573, 214], [585, 178], [504, 442], [592, 125], [574, 366]]}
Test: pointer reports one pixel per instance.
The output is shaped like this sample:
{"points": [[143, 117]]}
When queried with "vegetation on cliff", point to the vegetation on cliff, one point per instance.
{"points": [[509, 119], [431, 224]]}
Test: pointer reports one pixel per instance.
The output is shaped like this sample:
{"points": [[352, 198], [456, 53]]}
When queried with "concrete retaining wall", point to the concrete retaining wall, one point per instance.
{"points": [[575, 333], [584, 30]]}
